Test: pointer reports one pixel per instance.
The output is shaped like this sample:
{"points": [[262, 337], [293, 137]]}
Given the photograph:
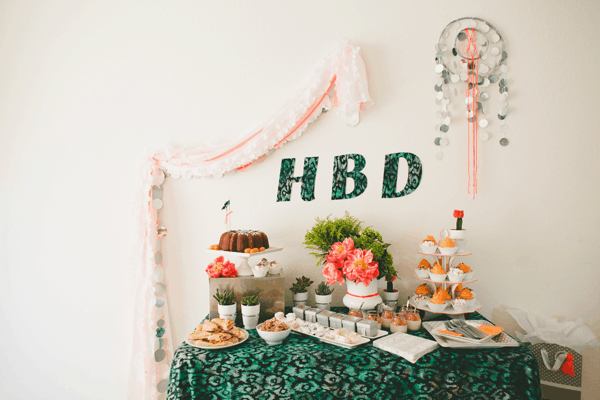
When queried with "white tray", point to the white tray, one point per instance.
{"points": [[362, 341], [189, 342], [501, 340], [380, 333]]}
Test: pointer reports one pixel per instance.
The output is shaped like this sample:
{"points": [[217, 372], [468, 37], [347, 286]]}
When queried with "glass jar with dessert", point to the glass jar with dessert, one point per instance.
{"points": [[413, 319], [386, 318], [398, 323], [355, 313]]}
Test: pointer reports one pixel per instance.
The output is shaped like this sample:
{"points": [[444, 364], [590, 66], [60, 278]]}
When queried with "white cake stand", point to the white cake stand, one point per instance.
{"points": [[242, 259]]}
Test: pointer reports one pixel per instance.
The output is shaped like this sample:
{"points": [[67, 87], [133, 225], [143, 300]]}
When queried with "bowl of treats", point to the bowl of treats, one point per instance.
{"points": [[429, 245], [273, 331], [447, 246], [422, 271]]}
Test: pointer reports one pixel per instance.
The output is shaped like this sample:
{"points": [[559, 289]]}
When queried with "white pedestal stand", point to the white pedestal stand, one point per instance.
{"points": [[242, 260]]}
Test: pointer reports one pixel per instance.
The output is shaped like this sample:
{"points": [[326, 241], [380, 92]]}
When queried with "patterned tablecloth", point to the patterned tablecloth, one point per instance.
{"points": [[305, 368]]}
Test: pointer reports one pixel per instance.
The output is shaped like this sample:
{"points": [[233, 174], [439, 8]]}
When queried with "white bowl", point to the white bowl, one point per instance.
{"points": [[448, 250], [437, 277], [470, 302], [422, 273], [273, 338], [260, 273], [428, 249], [420, 303], [456, 278], [437, 307], [461, 308], [469, 276]]}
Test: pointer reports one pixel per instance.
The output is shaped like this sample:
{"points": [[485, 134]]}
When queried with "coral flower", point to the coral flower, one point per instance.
{"points": [[220, 267], [339, 251], [459, 214], [332, 273], [360, 267]]}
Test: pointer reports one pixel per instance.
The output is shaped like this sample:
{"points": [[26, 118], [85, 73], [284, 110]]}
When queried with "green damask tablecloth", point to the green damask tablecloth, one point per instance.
{"points": [[305, 368]]}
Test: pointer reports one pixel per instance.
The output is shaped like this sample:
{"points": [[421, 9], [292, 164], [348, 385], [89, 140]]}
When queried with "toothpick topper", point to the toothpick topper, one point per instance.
{"points": [[226, 207]]}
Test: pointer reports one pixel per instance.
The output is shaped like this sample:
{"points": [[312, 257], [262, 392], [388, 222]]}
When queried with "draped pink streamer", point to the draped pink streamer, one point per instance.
{"points": [[343, 69]]}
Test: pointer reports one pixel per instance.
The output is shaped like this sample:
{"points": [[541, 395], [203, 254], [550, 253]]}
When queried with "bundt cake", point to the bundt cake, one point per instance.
{"points": [[239, 240]]}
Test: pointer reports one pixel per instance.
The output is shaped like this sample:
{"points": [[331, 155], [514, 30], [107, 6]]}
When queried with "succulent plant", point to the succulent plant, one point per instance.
{"points": [[225, 298], [323, 289], [301, 285], [250, 300]]}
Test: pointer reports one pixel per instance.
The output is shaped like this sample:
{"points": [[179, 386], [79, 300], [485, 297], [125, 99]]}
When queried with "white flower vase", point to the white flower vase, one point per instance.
{"points": [[300, 299], [227, 312], [359, 294], [250, 316], [323, 301]]}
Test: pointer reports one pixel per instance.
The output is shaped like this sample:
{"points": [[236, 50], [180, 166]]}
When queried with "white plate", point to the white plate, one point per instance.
{"points": [[449, 310], [361, 341], [501, 340], [244, 255], [380, 333], [219, 347]]}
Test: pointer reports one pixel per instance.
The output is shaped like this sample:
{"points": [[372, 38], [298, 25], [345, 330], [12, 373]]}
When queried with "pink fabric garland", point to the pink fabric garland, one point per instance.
{"points": [[342, 71]]}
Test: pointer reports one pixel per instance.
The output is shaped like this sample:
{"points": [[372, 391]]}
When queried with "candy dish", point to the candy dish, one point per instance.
{"points": [[422, 273], [460, 305], [455, 275], [437, 307], [273, 338]]}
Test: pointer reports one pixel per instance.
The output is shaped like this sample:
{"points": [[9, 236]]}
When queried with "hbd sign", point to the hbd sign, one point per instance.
{"points": [[341, 175]]}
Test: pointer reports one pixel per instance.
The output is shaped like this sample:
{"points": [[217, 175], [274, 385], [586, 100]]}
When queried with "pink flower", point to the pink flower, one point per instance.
{"points": [[332, 273], [339, 251], [220, 267], [360, 267]]}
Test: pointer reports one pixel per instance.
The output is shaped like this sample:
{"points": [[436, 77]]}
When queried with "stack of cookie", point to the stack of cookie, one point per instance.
{"points": [[217, 332]]}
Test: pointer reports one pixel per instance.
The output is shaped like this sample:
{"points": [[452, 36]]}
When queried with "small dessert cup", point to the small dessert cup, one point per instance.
{"points": [[437, 277], [260, 272], [428, 249], [468, 276], [437, 307], [456, 278], [461, 308], [422, 273], [448, 250]]}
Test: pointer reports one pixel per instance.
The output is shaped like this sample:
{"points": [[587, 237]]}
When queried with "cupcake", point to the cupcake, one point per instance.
{"points": [[460, 305], [274, 268], [458, 289], [422, 289], [467, 295], [455, 274], [261, 269], [447, 246], [445, 295], [429, 245], [421, 300], [467, 271], [422, 270], [437, 273], [437, 303]]}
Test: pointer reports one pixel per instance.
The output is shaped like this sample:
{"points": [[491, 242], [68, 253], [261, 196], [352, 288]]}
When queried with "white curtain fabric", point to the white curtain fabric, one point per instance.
{"points": [[339, 81]]}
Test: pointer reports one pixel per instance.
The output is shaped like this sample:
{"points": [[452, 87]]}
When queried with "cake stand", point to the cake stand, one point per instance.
{"points": [[242, 259], [445, 260]]}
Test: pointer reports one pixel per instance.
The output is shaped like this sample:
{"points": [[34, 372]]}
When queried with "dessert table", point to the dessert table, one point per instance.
{"points": [[305, 368]]}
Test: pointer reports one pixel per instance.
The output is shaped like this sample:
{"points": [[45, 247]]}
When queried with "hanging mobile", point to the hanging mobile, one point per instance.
{"points": [[470, 57]]}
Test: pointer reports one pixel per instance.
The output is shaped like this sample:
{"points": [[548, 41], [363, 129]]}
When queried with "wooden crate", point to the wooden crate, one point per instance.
{"points": [[270, 292]]}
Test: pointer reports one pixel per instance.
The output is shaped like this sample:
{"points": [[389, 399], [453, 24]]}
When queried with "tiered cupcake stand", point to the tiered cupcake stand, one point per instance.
{"points": [[446, 261], [242, 259]]}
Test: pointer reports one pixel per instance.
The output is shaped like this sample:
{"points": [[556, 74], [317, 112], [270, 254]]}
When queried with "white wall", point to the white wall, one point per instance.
{"points": [[86, 88]]}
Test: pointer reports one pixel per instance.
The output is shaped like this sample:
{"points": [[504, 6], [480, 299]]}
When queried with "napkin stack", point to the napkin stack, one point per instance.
{"points": [[406, 346]]}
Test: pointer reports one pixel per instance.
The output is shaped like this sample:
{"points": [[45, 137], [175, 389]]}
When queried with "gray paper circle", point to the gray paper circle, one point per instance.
{"points": [[159, 289], [504, 142], [157, 192], [158, 257], [160, 323], [159, 303], [437, 141], [159, 355], [162, 386], [444, 128]]}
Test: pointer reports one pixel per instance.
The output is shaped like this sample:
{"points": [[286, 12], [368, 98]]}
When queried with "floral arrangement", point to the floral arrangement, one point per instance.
{"points": [[220, 267], [350, 252], [459, 214]]}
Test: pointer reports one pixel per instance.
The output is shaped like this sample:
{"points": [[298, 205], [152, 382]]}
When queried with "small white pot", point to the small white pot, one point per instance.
{"points": [[323, 301], [458, 234], [227, 312], [300, 299], [250, 316]]}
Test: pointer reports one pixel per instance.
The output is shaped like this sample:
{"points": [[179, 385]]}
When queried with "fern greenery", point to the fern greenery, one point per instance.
{"points": [[328, 231]]}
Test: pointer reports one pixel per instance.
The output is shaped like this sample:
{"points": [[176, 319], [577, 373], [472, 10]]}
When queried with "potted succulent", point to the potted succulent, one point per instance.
{"points": [[459, 235], [227, 306], [389, 294], [323, 296], [250, 311], [300, 290]]}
